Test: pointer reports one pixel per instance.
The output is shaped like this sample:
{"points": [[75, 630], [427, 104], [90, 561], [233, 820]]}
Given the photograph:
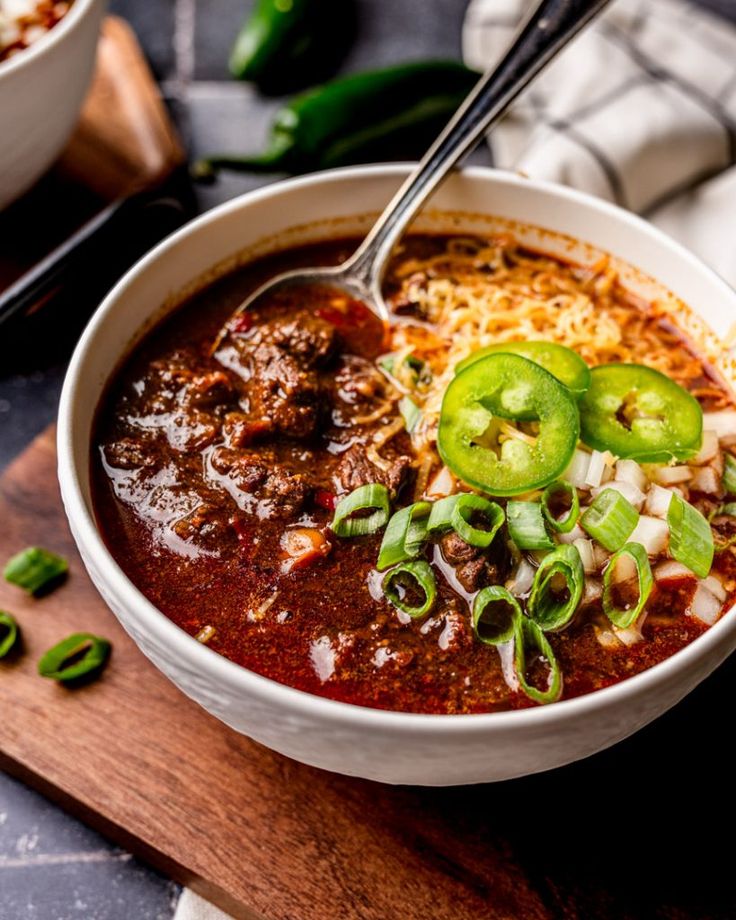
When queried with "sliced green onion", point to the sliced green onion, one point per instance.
{"points": [[729, 474], [387, 363], [554, 491], [345, 523], [557, 588], [729, 508], [8, 633], [623, 617], [691, 539], [610, 520], [79, 655], [34, 569], [529, 636], [404, 536], [526, 525], [495, 615], [456, 512], [410, 412], [419, 576]]}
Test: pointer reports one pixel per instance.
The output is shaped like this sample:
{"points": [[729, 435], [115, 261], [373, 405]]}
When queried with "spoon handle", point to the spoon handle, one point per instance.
{"points": [[548, 29]]}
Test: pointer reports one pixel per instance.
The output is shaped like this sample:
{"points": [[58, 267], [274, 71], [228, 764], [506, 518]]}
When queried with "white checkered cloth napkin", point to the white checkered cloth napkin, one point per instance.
{"points": [[640, 110]]}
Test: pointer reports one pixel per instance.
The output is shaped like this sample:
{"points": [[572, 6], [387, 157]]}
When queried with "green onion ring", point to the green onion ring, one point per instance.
{"points": [[35, 569], [404, 536], [487, 625], [571, 518], [423, 575], [410, 412], [610, 520], [8, 633], [526, 525], [79, 655], [373, 495], [624, 617], [454, 512], [528, 634], [547, 611], [691, 539]]}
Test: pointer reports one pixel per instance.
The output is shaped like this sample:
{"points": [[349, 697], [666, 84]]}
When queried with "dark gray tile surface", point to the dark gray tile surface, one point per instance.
{"points": [[51, 867]]}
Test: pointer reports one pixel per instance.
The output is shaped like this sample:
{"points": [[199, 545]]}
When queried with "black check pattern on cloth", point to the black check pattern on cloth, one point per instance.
{"points": [[639, 110]]}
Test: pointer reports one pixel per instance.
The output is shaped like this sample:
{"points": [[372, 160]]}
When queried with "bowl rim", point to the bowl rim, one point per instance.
{"points": [[56, 34], [196, 655]]}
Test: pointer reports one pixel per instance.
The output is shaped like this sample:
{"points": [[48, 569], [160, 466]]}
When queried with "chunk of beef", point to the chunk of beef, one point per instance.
{"points": [[311, 341], [281, 492], [475, 568], [205, 526], [281, 391], [208, 390], [240, 430], [356, 469], [128, 454]]}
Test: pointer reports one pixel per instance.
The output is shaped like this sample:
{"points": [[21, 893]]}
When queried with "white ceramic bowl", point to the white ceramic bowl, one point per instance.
{"points": [[387, 746], [41, 92]]}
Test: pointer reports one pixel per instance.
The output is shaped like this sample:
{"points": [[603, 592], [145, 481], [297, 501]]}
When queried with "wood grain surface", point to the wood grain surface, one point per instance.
{"points": [[258, 834]]}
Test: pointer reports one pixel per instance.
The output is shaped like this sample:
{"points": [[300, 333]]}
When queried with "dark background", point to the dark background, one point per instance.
{"points": [[640, 832]]}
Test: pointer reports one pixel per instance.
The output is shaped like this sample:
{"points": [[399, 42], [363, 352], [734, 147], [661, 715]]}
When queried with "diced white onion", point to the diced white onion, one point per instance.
{"points": [[715, 587], [708, 449], [601, 555], [652, 533], [630, 492], [705, 479], [592, 591], [596, 468], [671, 475], [521, 581], [442, 484], [585, 548], [723, 423], [577, 533], [672, 571], [607, 638], [658, 501], [630, 471], [704, 606], [629, 636], [578, 469]]}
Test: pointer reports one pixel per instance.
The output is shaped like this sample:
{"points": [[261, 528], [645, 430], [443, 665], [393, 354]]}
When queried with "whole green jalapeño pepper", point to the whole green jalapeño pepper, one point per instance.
{"points": [[636, 412], [388, 114], [473, 438], [289, 44]]}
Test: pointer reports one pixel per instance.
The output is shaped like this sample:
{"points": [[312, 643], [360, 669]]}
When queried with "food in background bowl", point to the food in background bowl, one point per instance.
{"points": [[510, 496], [23, 22]]}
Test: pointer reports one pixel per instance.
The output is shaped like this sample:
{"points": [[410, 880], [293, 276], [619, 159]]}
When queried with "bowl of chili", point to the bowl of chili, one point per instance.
{"points": [[415, 741], [42, 86]]}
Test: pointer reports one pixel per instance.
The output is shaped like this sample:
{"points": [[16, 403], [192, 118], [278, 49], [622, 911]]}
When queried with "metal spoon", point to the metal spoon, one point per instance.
{"points": [[548, 29]]}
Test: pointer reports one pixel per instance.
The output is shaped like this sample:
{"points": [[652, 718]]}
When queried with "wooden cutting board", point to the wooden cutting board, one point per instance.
{"points": [[254, 832]]}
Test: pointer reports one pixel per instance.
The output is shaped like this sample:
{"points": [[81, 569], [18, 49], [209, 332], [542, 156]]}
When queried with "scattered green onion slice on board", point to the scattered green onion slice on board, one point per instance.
{"points": [[347, 523], [526, 525], [557, 588], [610, 520], [691, 539], [553, 492], [460, 513], [34, 569], [410, 412], [79, 655], [404, 536], [9, 633], [624, 616], [495, 615], [411, 577], [529, 636], [729, 474]]}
